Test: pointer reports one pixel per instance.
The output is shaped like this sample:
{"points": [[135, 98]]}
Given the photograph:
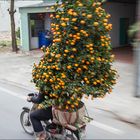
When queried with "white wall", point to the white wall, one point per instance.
{"points": [[117, 11], [47, 22], [4, 15]]}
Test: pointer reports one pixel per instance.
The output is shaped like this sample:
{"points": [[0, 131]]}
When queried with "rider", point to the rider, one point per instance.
{"points": [[39, 115]]}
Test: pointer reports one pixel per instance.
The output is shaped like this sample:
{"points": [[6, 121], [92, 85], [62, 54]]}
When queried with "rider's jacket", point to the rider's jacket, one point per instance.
{"points": [[43, 100], [38, 98]]}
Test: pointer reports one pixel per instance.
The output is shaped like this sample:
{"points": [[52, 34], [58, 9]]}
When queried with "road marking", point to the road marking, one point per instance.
{"points": [[13, 93], [106, 127]]}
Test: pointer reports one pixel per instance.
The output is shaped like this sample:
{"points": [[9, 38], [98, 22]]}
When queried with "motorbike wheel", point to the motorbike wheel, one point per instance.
{"points": [[72, 135], [64, 135], [26, 123], [68, 135]]}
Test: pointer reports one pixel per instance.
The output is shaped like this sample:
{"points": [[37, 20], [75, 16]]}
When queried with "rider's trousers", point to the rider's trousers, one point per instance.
{"points": [[40, 115]]}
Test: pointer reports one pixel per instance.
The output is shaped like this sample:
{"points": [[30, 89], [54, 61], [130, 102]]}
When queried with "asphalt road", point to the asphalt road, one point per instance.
{"points": [[104, 125]]}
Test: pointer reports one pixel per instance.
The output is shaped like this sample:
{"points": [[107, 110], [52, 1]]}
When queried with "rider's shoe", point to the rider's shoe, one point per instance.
{"points": [[41, 136], [54, 129]]}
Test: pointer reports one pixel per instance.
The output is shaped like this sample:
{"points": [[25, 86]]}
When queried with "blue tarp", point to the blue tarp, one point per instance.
{"points": [[43, 41]]}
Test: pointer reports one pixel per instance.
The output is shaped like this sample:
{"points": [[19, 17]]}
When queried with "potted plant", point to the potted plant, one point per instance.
{"points": [[79, 62]]}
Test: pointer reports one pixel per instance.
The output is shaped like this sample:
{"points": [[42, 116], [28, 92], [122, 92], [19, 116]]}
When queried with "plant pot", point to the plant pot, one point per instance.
{"points": [[65, 118]]}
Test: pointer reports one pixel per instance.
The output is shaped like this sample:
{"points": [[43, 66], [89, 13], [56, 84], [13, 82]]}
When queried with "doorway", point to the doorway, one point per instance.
{"points": [[124, 26], [36, 25]]}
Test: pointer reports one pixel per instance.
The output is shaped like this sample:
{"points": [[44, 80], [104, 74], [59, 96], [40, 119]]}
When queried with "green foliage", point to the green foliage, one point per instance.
{"points": [[18, 33], [5, 43], [134, 29]]}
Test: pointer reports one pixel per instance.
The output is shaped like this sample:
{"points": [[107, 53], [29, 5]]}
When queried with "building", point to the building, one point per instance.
{"points": [[123, 14], [35, 18], [4, 15]]}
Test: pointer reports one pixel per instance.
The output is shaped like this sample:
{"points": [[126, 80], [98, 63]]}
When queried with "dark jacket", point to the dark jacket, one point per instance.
{"points": [[38, 98]]}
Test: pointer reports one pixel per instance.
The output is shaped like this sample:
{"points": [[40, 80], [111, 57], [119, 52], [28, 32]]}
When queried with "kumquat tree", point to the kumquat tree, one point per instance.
{"points": [[79, 62]]}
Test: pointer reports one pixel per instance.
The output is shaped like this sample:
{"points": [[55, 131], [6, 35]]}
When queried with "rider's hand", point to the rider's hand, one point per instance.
{"points": [[29, 98]]}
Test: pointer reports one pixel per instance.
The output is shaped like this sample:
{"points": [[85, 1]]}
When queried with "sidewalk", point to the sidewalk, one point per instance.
{"points": [[16, 69]]}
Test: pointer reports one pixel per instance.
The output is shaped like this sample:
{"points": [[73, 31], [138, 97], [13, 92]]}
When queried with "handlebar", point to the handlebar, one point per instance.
{"points": [[31, 95]]}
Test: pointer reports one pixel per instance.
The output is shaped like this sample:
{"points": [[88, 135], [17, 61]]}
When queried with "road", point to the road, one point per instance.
{"points": [[104, 125]]}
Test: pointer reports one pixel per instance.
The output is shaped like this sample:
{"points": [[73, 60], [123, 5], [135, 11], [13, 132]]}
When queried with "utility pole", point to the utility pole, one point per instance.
{"points": [[13, 32], [137, 56]]}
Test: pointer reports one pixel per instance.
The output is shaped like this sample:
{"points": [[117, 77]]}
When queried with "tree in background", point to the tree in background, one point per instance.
{"points": [[79, 62], [13, 32]]}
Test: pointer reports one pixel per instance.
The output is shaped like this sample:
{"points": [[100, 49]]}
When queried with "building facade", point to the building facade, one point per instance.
{"points": [[123, 15]]}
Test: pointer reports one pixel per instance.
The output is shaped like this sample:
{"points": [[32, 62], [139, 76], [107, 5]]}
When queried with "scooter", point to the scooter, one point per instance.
{"points": [[54, 131]]}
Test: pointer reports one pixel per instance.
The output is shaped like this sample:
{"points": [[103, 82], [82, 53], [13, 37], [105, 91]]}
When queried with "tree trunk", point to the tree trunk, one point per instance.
{"points": [[13, 32]]}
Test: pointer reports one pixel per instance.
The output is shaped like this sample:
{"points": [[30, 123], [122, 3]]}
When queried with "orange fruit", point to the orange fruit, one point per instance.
{"points": [[51, 80], [89, 16], [62, 18], [105, 20], [76, 103], [74, 49], [80, 4], [70, 35], [67, 107], [87, 63], [74, 19], [83, 14], [63, 24], [75, 27], [74, 14], [66, 19], [72, 56], [86, 79], [83, 61], [72, 43], [69, 67], [105, 24], [82, 22], [94, 83], [76, 65], [95, 24], [92, 58], [57, 16], [72, 106], [68, 102], [66, 51]]}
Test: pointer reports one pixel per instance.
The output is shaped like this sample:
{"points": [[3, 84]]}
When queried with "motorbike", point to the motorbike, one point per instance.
{"points": [[54, 131]]}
